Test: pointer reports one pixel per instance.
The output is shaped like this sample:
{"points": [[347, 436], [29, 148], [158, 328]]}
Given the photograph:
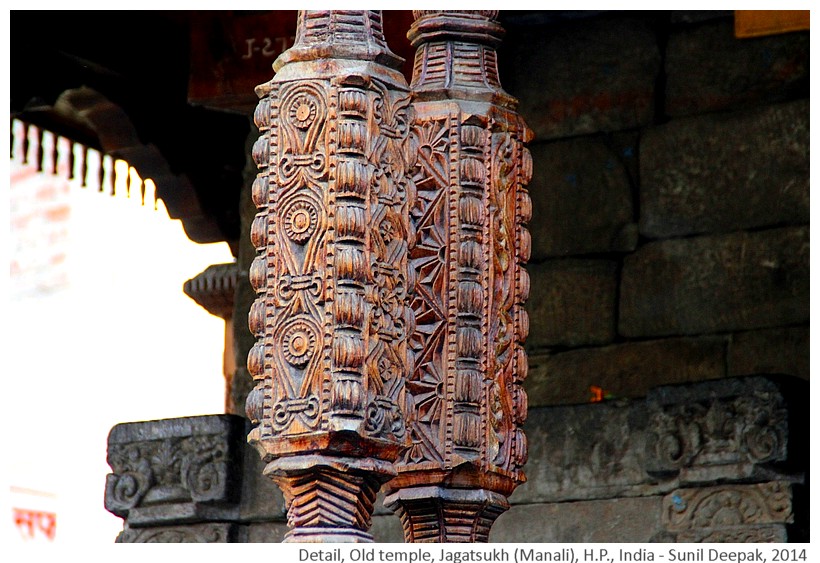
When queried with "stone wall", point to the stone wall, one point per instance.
{"points": [[712, 461], [671, 199]]}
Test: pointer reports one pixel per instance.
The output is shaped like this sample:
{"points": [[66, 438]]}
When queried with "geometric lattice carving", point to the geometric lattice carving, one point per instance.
{"points": [[470, 167], [326, 501], [440, 514], [331, 274]]}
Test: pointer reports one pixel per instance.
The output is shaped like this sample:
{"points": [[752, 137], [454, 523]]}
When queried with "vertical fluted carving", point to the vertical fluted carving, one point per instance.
{"points": [[470, 168], [332, 316]]}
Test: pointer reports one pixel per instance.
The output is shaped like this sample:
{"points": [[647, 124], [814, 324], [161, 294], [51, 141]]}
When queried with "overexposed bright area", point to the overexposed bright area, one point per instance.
{"points": [[110, 338]]}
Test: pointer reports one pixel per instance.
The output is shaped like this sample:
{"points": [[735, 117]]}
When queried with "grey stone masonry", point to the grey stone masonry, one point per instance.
{"points": [[750, 429], [623, 370], [725, 172], [175, 471], [572, 302], [737, 281], [708, 69], [715, 461], [774, 350], [211, 532], [621, 520], [561, 93], [582, 198], [720, 460]]}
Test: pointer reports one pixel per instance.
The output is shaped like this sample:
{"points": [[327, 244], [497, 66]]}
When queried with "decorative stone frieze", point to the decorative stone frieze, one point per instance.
{"points": [[181, 470], [331, 273], [190, 533], [726, 429], [470, 168], [697, 434], [729, 513]]}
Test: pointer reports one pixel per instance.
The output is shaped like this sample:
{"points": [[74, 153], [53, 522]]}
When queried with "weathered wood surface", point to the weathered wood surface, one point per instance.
{"points": [[470, 168], [332, 275]]}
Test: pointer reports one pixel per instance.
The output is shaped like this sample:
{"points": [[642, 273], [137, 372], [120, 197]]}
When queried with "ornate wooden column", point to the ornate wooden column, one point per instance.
{"points": [[332, 273], [470, 168]]}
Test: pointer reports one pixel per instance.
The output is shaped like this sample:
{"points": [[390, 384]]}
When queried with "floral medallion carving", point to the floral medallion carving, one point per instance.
{"points": [[332, 237]]}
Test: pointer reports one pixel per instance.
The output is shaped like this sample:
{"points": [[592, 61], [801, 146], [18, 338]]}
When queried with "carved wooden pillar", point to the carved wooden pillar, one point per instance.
{"points": [[332, 314], [470, 170]]}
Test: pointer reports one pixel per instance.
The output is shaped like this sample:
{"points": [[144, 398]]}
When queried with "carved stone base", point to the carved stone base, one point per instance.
{"points": [[329, 499], [442, 515]]}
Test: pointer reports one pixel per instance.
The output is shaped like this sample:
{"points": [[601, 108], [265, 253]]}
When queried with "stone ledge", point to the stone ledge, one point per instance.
{"points": [[623, 370], [212, 532], [622, 520], [736, 430]]}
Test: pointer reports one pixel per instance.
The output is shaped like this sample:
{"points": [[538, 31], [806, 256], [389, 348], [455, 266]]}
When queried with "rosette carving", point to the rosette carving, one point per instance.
{"points": [[331, 273]]}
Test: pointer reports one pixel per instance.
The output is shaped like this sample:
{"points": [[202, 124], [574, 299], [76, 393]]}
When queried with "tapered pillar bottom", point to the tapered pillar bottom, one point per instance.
{"points": [[329, 499], [442, 515]]}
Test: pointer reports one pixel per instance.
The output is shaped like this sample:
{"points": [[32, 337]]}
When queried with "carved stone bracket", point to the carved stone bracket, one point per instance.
{"points": [[175, 471], [470, 166], [331, 274], [728, 429]]}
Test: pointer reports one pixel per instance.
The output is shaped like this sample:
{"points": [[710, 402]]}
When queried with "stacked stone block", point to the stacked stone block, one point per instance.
{"points": [[670, 200]]}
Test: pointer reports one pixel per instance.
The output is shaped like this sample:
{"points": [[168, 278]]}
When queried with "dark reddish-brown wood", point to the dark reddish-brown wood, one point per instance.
{"points": [[470, 168], [332, 316]]}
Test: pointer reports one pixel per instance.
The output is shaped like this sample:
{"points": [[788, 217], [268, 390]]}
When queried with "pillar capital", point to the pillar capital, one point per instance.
{"points": [[355, 35], [456, 56]]}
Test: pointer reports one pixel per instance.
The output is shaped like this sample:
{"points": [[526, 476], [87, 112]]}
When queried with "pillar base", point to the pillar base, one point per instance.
{"points": [[329, 499], [442, 515]]}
